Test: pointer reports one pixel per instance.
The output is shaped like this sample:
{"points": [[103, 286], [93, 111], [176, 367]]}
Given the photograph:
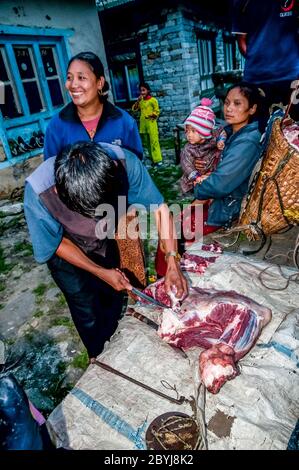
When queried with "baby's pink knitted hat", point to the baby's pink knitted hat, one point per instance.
{"points": [[202, 118]]}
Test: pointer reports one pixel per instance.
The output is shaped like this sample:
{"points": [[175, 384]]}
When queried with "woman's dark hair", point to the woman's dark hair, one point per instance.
{"points": [[85, 177], [96, 66], [144, 85], [253, 94]]}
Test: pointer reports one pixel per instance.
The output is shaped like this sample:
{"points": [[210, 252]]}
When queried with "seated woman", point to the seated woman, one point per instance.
{"points": [[228, 183]]}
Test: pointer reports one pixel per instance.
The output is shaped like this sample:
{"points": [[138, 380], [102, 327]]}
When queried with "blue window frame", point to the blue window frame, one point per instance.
{"points": [[207, 58], [33, 64], [125, 82]]}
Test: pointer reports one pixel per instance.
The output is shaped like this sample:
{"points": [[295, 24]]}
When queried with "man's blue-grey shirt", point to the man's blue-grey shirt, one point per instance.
{"points": [[46, 231]]}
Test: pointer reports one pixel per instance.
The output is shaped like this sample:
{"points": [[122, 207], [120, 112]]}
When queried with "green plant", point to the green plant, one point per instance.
{"points": [[2, 286], [81, 360]]}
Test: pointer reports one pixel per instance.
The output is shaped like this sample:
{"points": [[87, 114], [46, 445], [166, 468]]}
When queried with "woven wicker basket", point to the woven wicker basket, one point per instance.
{"points": [[273, 201]]}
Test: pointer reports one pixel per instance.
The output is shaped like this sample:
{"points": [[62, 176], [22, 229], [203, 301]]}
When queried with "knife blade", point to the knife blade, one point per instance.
{"points": [[148, 298]]}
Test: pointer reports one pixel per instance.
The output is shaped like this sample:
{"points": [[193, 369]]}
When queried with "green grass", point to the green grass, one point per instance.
{"points": [[29, 336], [2, 286], [81, 360], [10, 341], [38, 313], [167, 144], [23, 247], [62, 321], [4, 267], [61, 367], [165, 179], [61, 302], [40, 290], [13, 223]]}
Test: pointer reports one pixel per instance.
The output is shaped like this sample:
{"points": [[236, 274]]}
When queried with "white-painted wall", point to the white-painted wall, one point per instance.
{"points": [[79, 15]]}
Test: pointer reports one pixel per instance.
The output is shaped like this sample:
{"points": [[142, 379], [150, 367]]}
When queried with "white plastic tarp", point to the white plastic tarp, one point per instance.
{"points": [[256, 410]]}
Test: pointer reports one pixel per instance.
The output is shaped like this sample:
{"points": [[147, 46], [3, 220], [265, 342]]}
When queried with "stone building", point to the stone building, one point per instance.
{"points": [[174, 45], [37, 38]]}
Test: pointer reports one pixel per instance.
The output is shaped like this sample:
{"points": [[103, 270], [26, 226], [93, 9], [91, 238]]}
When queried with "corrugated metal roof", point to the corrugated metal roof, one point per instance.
{"points": [[107, 4]]}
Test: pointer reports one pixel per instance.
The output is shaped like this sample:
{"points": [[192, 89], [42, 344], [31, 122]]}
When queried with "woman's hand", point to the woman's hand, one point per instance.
{"points": [[200, 179], [199, 164], [175, 282], [116, 279]]}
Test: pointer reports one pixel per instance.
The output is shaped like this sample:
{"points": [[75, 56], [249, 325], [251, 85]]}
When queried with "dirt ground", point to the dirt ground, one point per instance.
{"points": [[42, 347]]}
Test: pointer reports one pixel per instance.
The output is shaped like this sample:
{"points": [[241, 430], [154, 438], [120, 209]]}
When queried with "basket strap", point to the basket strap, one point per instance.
{"points": [[280, 167], [266, 138]]}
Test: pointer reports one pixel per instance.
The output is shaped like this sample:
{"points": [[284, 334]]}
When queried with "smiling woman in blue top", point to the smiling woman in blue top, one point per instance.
{"points": [[90, 116]]}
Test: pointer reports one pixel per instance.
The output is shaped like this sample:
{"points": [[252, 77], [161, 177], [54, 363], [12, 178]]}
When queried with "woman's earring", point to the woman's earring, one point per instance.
{"points": [[100, 92]]}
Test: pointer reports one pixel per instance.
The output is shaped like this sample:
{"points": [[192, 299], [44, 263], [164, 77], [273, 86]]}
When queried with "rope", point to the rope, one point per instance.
{"points": [[292, 278]]}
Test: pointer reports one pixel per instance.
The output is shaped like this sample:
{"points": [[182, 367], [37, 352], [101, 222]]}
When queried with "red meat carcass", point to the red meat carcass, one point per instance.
{"points": [[225, 323]]}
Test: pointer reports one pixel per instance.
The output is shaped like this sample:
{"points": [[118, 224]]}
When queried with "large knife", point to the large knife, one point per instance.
{"points": [[148, 298]]}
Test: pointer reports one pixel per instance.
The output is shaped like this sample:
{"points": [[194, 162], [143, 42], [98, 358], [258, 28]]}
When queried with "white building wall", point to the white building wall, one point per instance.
{"points": [[79, 15]]}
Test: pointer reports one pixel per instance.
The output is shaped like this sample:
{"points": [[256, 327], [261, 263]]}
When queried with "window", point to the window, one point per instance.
{"points": [[240, 60], [229, 47], [28, 75], [233, 59], [10, 106], [125, 74], [52, 72], [41, 91], [206, 54], [32, 67]]}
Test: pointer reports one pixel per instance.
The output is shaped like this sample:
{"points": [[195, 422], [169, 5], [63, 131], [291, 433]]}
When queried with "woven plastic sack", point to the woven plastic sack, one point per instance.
{"points": [[273, 201]]}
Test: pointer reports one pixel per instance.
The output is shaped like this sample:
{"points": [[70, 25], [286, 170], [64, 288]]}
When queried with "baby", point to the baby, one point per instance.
{"points": [[204, 143]]}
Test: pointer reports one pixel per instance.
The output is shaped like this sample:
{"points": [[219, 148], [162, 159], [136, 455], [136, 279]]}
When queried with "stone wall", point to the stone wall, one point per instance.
{"points": [[171, 67], [13, 177]]}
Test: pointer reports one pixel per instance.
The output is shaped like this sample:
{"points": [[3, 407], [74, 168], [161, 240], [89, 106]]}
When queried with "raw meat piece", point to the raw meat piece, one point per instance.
{"points": [[217, 365], [212, 247], [225, 321], [195, 263], [157, 291], [190, 263], [291, 133]]}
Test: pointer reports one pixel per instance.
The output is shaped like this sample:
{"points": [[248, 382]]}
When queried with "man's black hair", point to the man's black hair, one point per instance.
{"points": [[85, 176]]}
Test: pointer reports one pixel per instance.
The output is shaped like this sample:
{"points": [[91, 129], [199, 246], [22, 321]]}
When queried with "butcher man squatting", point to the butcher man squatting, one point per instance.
{"points": [[61, 200]]}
